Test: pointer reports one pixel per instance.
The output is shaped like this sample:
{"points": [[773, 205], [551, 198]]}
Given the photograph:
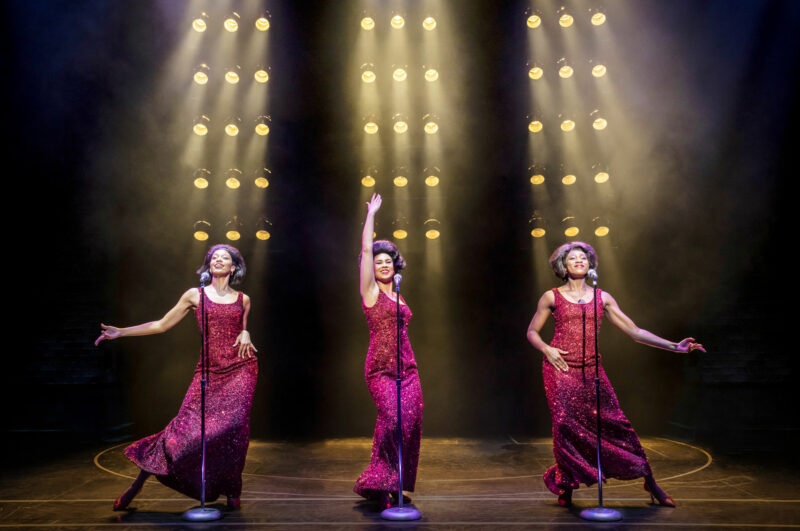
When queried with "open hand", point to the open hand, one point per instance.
{"points": [[553, 355], [108, 332], [374, 204], [245, 345]]}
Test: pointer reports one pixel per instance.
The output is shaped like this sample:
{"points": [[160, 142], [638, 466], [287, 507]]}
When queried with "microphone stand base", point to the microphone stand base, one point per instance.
{"points": [[601, 514], [401, 514], [202, 514]]}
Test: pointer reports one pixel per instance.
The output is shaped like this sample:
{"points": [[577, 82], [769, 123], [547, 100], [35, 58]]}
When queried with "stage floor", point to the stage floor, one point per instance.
{"points": [[462, 483]]}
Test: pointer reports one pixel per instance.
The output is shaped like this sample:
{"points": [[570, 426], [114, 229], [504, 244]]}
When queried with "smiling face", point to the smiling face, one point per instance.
{"points": [[384, 268], [577, 263], [221, 263]]}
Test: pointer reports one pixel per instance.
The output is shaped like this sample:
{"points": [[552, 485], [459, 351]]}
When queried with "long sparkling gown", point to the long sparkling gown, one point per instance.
{"points": [[572, 398], [380, 373], [174, 454]]}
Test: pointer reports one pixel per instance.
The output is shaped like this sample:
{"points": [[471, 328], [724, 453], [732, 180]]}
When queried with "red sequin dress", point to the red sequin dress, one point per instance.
{"points": [[381, 373], [174, 454], [572, 399]]}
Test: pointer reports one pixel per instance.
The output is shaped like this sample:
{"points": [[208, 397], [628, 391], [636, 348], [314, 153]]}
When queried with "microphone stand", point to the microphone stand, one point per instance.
{"points": [[203, 513], [599, 513], [399, 512]]}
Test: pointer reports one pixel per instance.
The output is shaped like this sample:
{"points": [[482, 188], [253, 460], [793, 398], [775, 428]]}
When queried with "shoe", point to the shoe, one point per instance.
{"points": [[657, 493], [383, 500], [565, 498], [234, 503], [121, 503]]}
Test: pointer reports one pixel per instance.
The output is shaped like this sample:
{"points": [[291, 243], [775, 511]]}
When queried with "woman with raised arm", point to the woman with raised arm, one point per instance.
{"points": [[379, 261], [568, 370], [174, 454]]}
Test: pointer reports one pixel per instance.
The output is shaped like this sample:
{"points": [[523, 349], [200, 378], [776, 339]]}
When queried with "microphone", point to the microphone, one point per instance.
{"points": [[592, 273], [205, 277], [397, 279]]}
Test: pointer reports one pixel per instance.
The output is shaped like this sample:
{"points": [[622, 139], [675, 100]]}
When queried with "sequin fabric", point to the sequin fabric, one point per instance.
{"points": [[381, 372], [572, 400], [174, 454]]}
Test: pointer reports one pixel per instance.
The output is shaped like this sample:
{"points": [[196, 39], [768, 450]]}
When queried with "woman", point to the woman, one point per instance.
{"points": [[379, 262], [174, 454], [568, 370]]}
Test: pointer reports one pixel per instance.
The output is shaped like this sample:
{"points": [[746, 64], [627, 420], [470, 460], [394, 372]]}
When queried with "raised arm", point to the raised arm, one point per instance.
{"points": [[624, 323], [368, 286], [543, 311], [243, 339], [187, 301]]}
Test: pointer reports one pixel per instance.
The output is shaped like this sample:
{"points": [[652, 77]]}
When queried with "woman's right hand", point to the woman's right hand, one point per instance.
{"points": [[553, 355], [374, 204], [109, 332]]}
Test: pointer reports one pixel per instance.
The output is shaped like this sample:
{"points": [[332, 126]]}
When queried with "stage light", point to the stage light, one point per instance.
{"points": [[202, 230], [431, 176], [431, 123], [431, 74], [263, 229], [368, 179], [261, 178], [400, 180], [400, 123], [200, 23], [598, 18], [400, 228], [569, 226], [368, 23], [261, 75], [564, 69], [231, 23], [565, 20], [262, 125], [537, 224], [201, 73], [429, 23], [535, 71], [201, 178], [598, 122], [534, 126], [601, 174], [399, 72], [232, 178], [537, 172], [533, 18], [233, 228], [200, 127], [433, 229], [232, 125], [370, 125], [601, 226], [232, 74], [398, 21], [599, 70], [567, 125], [263, 22], [368, 73], [569, 179]]}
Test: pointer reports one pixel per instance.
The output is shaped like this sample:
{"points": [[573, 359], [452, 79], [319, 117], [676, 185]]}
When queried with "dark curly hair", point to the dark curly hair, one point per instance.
{"points": [[558, 260], [385, 246], [238, 261]]}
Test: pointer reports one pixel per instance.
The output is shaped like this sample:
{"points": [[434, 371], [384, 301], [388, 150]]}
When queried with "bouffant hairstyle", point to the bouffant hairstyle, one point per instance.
{"points": [[385, 246], [238, 261], [558, 260]]}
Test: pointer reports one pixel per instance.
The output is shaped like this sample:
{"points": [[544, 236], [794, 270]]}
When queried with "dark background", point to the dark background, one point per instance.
{"points": [[702, 243]]}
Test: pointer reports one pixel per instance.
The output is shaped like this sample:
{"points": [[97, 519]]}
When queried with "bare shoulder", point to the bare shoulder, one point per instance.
{"points": [[245, 298], [607, 298], [191, 296], [549, 298]]}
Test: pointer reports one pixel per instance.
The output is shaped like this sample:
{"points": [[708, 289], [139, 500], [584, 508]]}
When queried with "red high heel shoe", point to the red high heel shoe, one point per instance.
{"points": [[121, 503], [565, 498], [234, 503], [657, 493], [384, 500]]}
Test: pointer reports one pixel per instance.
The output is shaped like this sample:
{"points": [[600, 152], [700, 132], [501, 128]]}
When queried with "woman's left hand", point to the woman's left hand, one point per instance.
{"points": [[245, 345], [688, 345]]}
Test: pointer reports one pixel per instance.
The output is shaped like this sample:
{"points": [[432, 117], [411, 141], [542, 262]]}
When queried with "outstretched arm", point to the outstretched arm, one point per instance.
{"points": [[624, 323], [187, 301], [539, 318], [369, 288]]}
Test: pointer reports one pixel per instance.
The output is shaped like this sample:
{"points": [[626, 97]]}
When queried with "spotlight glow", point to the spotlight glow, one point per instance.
{"points": [[565, 20], [232, 179], [537, 179], [262, 23], [232, 77], [400, 126], [536, 72], [599, 70], [598, 19], [600, 124], [431, 128], [400, 181], [368, 76], [534, 21], [233, 235], [200, 24], [431, 74], [569, 179], [398, 22], [429, 23], [261, 75], [200, 235], [368, 23], [201, 74], [232, 23], [565, 71], [601, 231], [201, 177], [538, 232], [571, 232], [200, 127], [399, 74], [535, 126], [261, 182], [231, 129], [371, 128], [263, 235], [432, 180], [400, 234], [567, 125], [432, 234], [601, 177], [368, 181], [262, 129]]}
